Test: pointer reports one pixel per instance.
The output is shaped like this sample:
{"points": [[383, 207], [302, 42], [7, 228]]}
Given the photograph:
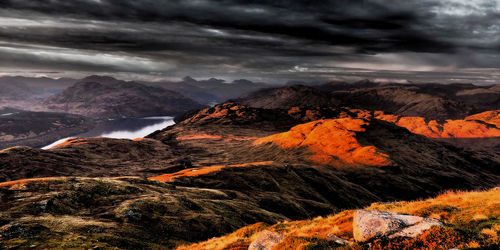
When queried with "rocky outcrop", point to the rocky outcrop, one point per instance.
{"points": [[372, 224], [266, 240]]}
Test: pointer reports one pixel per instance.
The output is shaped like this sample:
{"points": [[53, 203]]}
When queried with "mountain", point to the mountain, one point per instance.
{"points": [[212, 90], [106, 97], [36, 129], [484, 97], [221, 169], [24, 92], [404, 101], [286, 97], [277, 155], [431, 101]]}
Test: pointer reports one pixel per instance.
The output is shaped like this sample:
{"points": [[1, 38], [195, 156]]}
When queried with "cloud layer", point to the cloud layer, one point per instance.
{"points": [[274, 40]]}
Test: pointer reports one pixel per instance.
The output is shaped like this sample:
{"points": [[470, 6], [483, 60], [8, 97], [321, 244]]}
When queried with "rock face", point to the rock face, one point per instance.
{"points": [[371, 224], [266, 240]]}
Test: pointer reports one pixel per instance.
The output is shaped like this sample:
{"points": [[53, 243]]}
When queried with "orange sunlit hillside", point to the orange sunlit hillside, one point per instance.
{"points": [[71, 141], [202, 171], [20, 183], [477, 126], [331, 142], [472, 220], [491, 117], [199, 137]]}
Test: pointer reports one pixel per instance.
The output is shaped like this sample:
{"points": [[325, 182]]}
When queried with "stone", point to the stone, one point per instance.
{"points": [[338, 240], [266, 240], [371, 224]]}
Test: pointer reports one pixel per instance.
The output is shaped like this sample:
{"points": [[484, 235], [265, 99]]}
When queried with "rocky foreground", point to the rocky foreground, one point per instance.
{"points": [[451, 220]]}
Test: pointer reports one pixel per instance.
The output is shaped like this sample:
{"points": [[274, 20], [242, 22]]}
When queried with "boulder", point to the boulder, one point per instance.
{"points": [[371, 224], [338, 240], [266, 240]]}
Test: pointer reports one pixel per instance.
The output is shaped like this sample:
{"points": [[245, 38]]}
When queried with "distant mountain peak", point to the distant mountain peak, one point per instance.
{"points": [[99, 78], [189, 79]]}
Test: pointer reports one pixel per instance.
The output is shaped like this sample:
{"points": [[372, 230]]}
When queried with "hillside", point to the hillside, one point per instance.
{"points": [[287, 97], [220, 169], [89, 157], [106, 97], [24, 92], [404, 101], [36, 129], [471, 221], [431, 101]]}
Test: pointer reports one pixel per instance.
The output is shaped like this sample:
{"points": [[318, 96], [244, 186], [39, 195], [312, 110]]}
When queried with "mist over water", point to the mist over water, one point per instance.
{"points": [[126, 128]]}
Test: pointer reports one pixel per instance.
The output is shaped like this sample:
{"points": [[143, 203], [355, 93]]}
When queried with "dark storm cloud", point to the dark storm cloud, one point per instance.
{"points": [[259, 38]]}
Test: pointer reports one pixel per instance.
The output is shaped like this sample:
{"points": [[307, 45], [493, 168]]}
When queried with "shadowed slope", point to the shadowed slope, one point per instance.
{"points": [[106, 97], [287, 97], [88, 157]]}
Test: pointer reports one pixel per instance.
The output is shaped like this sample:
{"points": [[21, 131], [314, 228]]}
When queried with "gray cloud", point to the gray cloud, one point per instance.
{"points": [[425, 40]]}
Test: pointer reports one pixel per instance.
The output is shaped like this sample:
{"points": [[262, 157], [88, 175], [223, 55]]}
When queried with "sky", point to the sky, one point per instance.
{"points": [[261, 40]]}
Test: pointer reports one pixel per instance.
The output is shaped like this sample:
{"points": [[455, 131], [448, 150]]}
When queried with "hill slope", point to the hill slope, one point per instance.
{"points": [[472, 221], [287, 97], [218, 178], [106, 97], [431, 101], [36, 129]]}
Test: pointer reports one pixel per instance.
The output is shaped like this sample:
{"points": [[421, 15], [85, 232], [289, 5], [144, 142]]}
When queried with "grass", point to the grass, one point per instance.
{"points": [[472, 220]]}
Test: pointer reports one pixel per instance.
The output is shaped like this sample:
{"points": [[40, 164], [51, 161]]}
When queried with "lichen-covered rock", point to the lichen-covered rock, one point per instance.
{"points": [[370, 224], [266, 240]]}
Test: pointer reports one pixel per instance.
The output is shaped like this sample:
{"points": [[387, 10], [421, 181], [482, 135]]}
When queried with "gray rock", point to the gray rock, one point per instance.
{"points": [[338, 240], [371, 224], [266, 240]]}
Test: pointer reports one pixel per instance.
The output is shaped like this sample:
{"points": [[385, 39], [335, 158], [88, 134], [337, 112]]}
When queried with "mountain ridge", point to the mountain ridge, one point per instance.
{"points": [[107, 97]]}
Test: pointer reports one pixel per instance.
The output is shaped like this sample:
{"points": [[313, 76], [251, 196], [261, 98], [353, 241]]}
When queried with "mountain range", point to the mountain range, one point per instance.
{"points": [[107, 97], [278, 156]]}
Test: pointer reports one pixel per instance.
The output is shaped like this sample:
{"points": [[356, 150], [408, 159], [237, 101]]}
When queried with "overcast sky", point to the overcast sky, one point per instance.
{"points": [[267, 40]]}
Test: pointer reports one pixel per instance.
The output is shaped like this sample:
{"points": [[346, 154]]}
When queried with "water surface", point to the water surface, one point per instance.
{"points": [[124, 128]]}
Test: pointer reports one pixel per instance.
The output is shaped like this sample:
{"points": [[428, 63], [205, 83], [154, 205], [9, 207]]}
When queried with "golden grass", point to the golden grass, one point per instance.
{"points": [[486, 124], [491, 117], [199, 137], [472, 219], [67, 223], [331, 141], [203, 171], [17, 184]]}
